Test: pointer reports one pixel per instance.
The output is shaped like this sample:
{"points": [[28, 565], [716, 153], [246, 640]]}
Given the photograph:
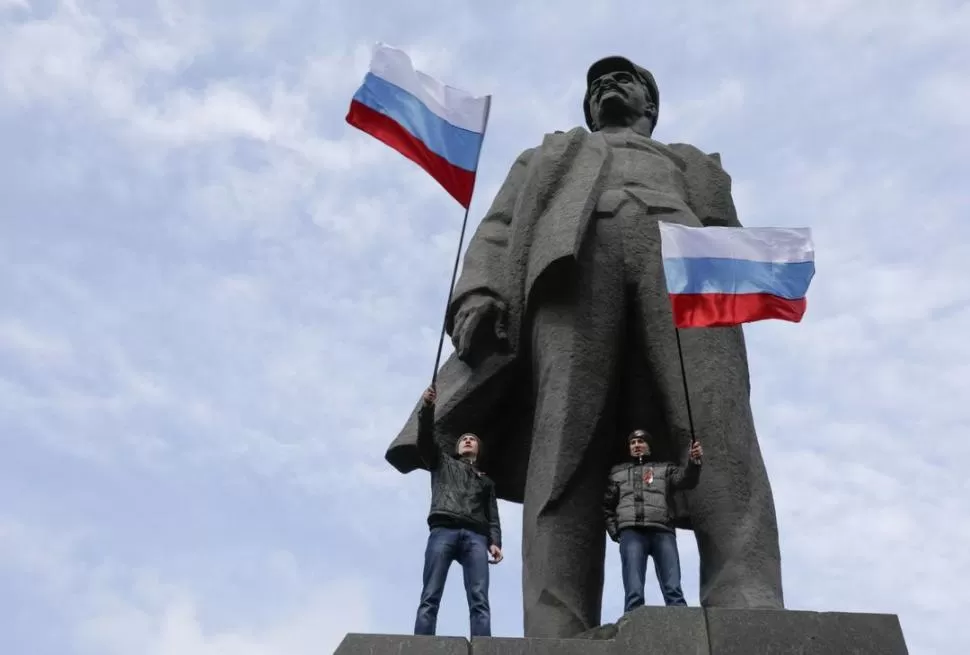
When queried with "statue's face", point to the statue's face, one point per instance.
{"points": [[638, 445], [468, 445], [619, 98]]}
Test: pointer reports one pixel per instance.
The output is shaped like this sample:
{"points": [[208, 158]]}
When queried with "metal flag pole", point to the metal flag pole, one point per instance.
{"points": [[461, 242], [683, 377]]}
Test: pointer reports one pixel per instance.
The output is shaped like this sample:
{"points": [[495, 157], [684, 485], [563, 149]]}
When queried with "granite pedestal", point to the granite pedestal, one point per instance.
{"points": [[675, 631]]}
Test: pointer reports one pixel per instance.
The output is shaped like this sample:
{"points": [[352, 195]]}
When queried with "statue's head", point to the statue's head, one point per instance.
{"points": [[467, 446], [638, 442], [619, 93]]}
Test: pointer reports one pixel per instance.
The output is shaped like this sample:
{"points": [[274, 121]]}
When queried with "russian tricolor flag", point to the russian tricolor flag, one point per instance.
{"points": [[719, 276], [438, 127]]}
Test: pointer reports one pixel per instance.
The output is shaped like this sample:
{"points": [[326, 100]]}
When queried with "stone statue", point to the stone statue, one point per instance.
{"points": [[564, 342]]}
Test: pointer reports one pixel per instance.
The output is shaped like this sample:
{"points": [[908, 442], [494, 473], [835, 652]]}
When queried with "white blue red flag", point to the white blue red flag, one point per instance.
{"points": [[438, 127], [719, 276]]}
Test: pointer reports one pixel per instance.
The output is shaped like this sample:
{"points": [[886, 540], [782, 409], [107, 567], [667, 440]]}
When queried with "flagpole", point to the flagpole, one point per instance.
{"points": [[461, 242], [683, 377]]}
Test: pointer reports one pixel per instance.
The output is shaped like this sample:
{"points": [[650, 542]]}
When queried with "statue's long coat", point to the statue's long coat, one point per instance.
{"points": [[540, 217]]}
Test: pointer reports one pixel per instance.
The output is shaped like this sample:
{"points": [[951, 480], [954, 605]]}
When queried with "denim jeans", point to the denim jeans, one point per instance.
{"points": [[469, 549], [636, 544]]}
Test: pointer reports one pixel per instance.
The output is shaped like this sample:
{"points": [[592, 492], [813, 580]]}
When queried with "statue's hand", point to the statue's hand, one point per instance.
{"points": [[479, 327]]}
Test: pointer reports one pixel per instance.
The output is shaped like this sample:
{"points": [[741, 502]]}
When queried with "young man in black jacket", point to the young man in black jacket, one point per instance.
{"points": [[637, 508], [464, 525]]}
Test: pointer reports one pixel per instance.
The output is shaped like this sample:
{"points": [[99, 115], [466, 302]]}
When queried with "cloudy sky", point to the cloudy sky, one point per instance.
{"points": [[218, 302]]}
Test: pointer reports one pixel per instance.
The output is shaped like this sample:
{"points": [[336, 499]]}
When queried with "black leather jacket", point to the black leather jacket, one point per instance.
{"points": [[461, 495]]}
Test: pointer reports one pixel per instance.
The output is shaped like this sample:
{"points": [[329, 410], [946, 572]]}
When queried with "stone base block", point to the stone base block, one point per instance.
{"points": [[675, 631], [782, 632], [360, 644]]}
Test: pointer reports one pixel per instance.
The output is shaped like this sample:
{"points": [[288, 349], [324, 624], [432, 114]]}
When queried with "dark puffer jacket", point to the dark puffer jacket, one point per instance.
{"points": [[637, 495], [461, 495]]}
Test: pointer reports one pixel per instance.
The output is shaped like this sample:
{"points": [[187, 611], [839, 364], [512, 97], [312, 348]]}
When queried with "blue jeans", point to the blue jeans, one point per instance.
{"points": [[636, 544], [469, 549]]}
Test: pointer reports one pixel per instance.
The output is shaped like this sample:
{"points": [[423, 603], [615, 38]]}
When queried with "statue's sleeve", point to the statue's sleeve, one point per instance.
{"points": [[485, 262], [610, 499]]}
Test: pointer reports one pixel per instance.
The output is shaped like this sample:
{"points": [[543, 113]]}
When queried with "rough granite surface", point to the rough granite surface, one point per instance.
{"points": [[737, 632], [364, 644], [668, 630], [676, 631], [509, 646]]}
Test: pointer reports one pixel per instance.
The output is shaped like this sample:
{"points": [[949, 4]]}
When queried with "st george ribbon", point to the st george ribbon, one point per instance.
{"points": [[724, 276], [438, 127]]}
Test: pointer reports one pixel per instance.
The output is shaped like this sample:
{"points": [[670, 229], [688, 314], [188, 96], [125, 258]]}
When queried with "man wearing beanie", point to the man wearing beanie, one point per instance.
{"points": [[638, 517]]}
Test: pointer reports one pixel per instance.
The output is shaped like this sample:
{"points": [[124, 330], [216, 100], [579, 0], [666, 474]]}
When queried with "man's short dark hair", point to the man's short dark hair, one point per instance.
{"points": [[473, 436]]}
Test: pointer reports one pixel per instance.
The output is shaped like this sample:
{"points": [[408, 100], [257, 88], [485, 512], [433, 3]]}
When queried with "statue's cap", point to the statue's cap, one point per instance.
{"points": [[614, 64]]}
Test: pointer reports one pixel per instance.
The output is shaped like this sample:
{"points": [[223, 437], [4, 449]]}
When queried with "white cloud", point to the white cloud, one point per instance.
{"points": [[945, 97], [118, 610], [174, 626], [21, 339]]}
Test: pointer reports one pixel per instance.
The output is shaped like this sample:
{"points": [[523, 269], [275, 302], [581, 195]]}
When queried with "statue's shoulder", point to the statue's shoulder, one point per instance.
{"points": [[561, 136], [576, 131], [555, 144], [527, 154], [694, 155]]}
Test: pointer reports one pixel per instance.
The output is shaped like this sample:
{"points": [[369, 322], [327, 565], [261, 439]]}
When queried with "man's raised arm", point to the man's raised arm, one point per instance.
{"points": [[687, 477], [427, 447]]}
